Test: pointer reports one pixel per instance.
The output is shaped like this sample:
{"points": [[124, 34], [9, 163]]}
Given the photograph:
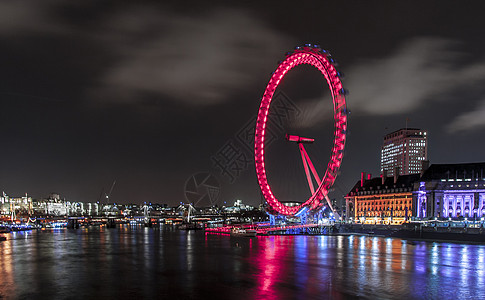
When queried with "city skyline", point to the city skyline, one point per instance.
{"points": [[150, 94]]}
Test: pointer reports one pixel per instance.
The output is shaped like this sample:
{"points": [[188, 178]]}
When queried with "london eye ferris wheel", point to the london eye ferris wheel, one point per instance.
{"points": [[315, 56]]}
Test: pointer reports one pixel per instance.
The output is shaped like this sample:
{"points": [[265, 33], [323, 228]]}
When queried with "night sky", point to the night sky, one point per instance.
{"points": [[149, 94]]}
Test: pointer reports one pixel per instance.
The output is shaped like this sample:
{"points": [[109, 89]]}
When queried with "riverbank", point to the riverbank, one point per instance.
{"points": [[414, 231], [6, 228]]}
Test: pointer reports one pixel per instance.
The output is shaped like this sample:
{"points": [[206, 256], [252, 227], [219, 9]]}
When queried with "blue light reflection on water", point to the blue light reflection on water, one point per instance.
{"points": [[152, 263]]}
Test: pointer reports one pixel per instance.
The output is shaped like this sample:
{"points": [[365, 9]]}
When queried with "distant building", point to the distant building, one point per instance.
{"points": [[238, 207], [381, 200], [5, 204], [451, 191], [404, 151], [15, 205], [55, 206]]}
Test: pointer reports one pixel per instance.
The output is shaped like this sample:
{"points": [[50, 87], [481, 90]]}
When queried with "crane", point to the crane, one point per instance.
{"points": [[110, 191]]}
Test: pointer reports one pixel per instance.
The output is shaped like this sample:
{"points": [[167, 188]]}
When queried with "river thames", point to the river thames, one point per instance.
{"points": [[147, 263]]}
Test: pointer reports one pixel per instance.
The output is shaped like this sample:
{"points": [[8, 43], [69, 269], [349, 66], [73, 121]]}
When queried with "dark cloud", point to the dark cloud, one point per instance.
{"points": [[30, 18], [474, 119], [198, 60], [419, 71]]}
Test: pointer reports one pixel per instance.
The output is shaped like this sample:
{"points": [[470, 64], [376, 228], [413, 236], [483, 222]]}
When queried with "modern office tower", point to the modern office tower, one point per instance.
{"points": [[404, 151]]}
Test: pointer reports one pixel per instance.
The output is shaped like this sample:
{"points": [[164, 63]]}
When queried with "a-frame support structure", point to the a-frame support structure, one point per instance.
{"points": [[308, 166]]}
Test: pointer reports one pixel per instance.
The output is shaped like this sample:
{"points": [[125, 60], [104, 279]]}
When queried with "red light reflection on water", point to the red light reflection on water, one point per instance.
{"points": [[269, 266]]}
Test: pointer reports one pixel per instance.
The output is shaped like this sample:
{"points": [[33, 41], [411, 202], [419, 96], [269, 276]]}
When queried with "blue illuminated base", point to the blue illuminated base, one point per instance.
{"points": [[303, 217]]}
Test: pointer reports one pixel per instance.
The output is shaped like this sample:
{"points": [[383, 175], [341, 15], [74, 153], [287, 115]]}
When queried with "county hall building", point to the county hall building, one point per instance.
{"points": [[441, 191]]}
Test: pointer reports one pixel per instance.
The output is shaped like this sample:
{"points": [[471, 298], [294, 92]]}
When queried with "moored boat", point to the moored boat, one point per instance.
{"points": [[190, 226], [237, 231], [4, 229]]}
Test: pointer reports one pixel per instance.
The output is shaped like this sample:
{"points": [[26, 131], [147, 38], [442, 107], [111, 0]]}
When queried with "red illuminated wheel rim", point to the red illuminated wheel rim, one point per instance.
{"points": [[321, 60]]}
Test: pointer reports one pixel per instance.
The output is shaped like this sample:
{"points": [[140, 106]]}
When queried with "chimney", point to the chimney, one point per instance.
{"points": [[396, 174], [362, 178], [384, 176]]}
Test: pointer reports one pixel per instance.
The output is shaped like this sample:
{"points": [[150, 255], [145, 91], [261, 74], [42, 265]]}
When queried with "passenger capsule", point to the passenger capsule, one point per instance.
{"points": [[343, 91]]}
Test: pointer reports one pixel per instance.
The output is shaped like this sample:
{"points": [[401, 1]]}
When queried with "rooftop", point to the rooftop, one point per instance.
{"points": [[375, 185], [454, 171]]}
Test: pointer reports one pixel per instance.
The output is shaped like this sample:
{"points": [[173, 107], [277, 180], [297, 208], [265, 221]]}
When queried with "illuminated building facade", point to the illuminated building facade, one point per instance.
{"points": [[5, 205], [451, 191], [13, 207], [381, 200], [404, 150], [441, 191], [16, 205]]}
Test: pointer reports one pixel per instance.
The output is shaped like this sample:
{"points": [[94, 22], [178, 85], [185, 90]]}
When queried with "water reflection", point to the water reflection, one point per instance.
{"points": [[130, 262]]}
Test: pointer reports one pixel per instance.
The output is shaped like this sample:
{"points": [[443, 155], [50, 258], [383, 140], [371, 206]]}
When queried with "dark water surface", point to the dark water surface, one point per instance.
{"points": [[146, 263]]}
